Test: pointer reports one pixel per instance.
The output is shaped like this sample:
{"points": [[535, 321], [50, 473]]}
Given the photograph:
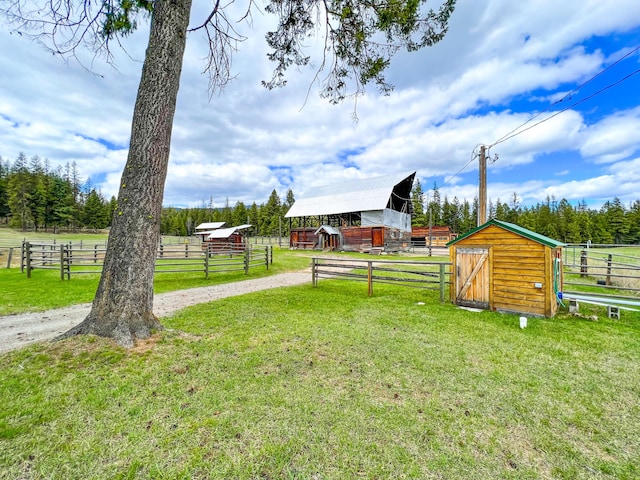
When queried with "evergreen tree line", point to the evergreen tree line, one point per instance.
{"points": [[34, 196], [613, 223], [267, 219]]}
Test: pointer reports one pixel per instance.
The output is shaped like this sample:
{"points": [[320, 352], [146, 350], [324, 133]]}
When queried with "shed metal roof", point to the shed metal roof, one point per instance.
{"points": [[512, 227], [327, 229], [209, 226], [352, 196], [227, 232]]}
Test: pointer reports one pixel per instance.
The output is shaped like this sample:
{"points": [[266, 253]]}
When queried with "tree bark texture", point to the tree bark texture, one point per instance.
{"points": [[123, 306]]}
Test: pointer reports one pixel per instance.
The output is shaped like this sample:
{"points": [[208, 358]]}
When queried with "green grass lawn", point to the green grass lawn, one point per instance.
{"points": [[45, 290], [327, 383]]}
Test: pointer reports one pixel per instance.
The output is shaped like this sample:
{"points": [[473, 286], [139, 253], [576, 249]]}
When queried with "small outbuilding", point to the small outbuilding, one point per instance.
{"points": [[224, 239], [436, 235], [205, 229], [501, 266]]}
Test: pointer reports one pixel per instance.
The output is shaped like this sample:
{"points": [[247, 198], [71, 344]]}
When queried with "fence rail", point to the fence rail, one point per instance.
{"points": [[426, 275], [175, 258], [604, 269]]}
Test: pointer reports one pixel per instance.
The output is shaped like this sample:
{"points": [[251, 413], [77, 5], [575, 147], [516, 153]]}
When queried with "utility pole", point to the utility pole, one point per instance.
{"points": [[482, 195], [430, 225]]}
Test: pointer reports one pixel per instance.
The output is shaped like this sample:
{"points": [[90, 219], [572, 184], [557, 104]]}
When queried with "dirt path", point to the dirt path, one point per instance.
{"points": [[19, 330]]}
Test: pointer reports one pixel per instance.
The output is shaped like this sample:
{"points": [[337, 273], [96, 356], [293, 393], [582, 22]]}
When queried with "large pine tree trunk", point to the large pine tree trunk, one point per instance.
{"points": [[123, 306]]}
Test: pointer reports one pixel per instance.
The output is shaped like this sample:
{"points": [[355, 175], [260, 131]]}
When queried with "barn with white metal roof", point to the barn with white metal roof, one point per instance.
{"points": [[358, 215]]}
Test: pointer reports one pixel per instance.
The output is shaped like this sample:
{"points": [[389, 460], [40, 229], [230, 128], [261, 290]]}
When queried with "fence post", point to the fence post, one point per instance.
{"points": [[246, 262], [206, 264], [584, 269], [442, 273], [370, 276], [69, 261], [28, 259], [22, 256], [609, 261], [61, 262], [9, 257], [186, 250], [314, 276]]}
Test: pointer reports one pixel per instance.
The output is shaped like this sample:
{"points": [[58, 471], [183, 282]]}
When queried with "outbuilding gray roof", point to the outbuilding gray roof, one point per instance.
{"points": [[209, 226], [327, 229], [227, 232], [353, 196]]}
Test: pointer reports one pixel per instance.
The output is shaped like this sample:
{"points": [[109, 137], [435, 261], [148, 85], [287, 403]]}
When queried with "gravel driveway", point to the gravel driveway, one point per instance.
{"points": [[19, 330]]}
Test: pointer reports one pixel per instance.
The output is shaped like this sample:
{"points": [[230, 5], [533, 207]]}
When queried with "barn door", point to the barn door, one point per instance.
{"points": [[377, 237], [472, 277]]}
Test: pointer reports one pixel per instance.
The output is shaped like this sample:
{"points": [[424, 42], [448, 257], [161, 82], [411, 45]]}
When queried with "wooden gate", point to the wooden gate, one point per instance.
{"points": [[472, 277]]}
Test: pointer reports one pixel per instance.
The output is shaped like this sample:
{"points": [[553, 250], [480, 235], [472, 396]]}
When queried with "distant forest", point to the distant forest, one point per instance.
{"points": [[34, 196], [614, 222]]}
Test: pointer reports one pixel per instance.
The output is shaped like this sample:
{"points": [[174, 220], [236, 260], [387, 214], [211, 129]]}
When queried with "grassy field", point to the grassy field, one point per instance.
{"points": [[327, 383], [321, 383], [45, 290]]}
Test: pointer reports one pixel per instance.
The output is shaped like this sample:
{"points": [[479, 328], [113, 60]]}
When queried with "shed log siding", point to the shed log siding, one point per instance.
{"points": [[516, 270]]}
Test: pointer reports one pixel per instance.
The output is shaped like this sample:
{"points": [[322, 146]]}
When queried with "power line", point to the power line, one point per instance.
{"points": [[513, 133], [474, 155], [516, 131], [504, 139]]}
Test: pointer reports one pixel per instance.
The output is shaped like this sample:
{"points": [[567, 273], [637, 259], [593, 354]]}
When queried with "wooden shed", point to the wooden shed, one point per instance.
{"points": [[437, 235], [226, 239], [503, 267]]}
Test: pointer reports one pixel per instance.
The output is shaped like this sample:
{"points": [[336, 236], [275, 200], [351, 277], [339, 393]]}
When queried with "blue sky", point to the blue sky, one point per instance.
{"points": [[501, 63]]}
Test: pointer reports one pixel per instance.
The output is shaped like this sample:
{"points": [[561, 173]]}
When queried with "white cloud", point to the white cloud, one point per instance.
{"points": [[614, 138], [499, 60]]}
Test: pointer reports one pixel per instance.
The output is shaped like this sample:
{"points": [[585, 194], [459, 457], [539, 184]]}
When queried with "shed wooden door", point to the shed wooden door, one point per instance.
{"points": [[472, 277], [377, 237]]}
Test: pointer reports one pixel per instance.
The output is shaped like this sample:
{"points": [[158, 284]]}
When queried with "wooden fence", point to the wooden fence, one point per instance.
{"points": [[233, 257], [7, 249], [175, 258], [602, 268], [426, 275]]}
